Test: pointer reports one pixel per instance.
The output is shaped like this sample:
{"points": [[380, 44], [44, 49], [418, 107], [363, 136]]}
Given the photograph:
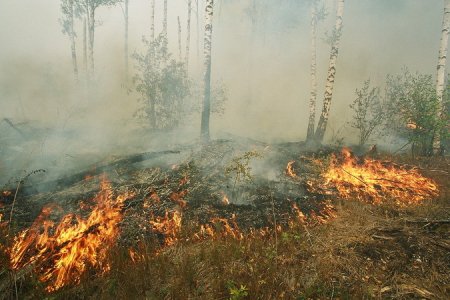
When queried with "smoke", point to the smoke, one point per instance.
{"points": [[261, 53]]}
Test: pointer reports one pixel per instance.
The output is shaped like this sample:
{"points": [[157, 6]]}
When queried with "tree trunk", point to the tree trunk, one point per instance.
{"points": [[72, 41], [207, 66], [313, 97], [91, 31], [440, 77], [126, 40], [321, 127], [198, 33], [179, 37], [188, 34], [152, 22], [164, 31], [85, 46]]}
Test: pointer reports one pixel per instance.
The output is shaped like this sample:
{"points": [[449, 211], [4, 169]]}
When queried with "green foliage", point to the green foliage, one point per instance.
{"points": [[368, 112], [237, 293], [240, 166], [162, 84], [412, 110]]}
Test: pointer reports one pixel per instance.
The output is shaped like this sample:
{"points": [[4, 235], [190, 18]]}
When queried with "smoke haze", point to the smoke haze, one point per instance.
{"points": [[261, 56]]}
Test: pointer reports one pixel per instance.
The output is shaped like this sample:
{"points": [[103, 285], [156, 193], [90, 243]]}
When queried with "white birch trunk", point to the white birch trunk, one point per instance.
{"points": [[152, 22], [188, 34], [91, 30], [164, 31], [72, 41], [313, 96], [440, 77], [179, 37], [126, 40], [207, 67], [321, 127], [198, 33], [85, 46]]}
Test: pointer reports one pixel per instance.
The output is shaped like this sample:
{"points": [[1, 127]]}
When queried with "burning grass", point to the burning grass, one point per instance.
{"points": [[61, 253], [375, 181], [179, 234]]}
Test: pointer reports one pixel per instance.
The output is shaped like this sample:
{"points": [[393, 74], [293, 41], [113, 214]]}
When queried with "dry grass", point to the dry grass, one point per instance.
{"points": [[367, 252]]}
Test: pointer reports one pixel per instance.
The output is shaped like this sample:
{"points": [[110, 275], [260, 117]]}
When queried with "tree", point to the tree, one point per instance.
{"points": [[207, 67], [316, 16], [440, 77], [336, 37], [163, 85], [188, 34], [152, 22], [125, 13], [68, 11], [164, 31], [89, 7], [368, 112], [412, 110], [179, 38]]}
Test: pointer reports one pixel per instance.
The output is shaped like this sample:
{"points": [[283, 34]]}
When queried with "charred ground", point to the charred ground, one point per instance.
{"points": [[226, 220]]}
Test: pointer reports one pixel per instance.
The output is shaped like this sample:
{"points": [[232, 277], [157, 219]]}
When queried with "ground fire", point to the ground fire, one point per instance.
{"points": [[61, 253], [376, 181]]}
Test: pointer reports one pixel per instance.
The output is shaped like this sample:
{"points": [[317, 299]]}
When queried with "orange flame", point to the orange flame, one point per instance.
{"points": [[376, 182], [225, 200], [169, 226], [220, 227], [63, 253], [290, 169]]}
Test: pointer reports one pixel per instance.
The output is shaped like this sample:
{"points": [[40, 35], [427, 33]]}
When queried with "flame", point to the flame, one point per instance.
{"points": [[62, 253], [376, 182], [225, 200], [168, 226], [220, 227], [290, 169]]}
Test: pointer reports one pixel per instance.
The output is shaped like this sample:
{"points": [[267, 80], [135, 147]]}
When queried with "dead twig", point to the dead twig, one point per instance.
{"points": [[355, 176]]}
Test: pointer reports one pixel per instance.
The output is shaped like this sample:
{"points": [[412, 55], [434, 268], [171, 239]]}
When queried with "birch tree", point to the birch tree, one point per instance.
{"points": [[321, 127], [440, 77], [207, 71], [90, 6], [152, 22], [125, 13], [164, 31], [179, 38], [317, 15], [188, 34], [68, 11]]}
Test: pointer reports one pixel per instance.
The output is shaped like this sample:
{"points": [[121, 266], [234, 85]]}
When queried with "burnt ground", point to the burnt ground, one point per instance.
{"points": [[355, 250]]}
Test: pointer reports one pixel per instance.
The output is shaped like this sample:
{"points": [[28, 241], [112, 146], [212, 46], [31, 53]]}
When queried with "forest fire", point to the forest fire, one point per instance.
{"points": [[62, 253], [376, 182]]}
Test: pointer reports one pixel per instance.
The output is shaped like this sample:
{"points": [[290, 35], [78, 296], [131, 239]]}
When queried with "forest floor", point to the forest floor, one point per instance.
{"points": [[233, 220]]}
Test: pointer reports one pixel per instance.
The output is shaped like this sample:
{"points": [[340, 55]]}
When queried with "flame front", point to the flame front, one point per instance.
{"points": [[376, 182], [62, 253]]}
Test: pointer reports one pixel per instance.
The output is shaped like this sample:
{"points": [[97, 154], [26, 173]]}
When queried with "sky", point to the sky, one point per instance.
{"points": [[265, 69]]}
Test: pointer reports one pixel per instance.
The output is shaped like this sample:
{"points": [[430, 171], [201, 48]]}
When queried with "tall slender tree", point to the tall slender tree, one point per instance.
{"points": [[125, 13], [316, 16], [67, 22], [207, 69], [188, 34], [335, 40], [85, 46], [440, 77], [152, 22], [179, 38], [164, 31], [90, 6]]}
